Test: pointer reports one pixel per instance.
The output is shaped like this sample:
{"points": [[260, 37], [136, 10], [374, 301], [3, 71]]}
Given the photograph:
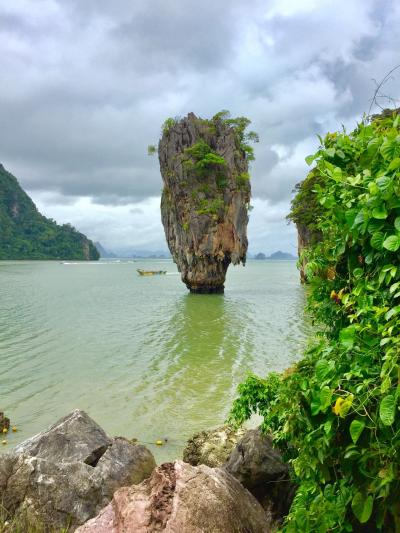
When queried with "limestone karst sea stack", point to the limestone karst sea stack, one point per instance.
{"points": [[206, 195]]}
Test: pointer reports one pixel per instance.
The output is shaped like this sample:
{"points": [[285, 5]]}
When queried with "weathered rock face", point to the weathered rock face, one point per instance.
{"points": [[213, 447], [182, 498], [205, 201], [260, 468], [66, 474]]}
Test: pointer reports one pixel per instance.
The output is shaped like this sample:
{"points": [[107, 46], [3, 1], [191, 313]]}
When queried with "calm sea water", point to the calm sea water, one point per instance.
{"points": [[142, 356]]}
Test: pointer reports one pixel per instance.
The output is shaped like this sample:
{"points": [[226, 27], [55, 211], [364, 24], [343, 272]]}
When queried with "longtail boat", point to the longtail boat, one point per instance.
{"points": [[150, 272]]}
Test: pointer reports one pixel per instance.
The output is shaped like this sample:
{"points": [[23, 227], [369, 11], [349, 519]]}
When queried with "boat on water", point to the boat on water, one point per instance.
{"points": [[150, 272]]}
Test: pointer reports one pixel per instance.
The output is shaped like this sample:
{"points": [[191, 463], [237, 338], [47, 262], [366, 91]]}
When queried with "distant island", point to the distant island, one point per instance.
{"points": [[276, 256], [104, 254], [27, 234]]}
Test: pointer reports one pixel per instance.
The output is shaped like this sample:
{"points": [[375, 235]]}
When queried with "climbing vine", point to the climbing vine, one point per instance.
{"points": [[335, 414]]}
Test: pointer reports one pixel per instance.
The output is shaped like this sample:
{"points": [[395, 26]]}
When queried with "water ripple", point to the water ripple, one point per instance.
{"points": [[142, 356]]}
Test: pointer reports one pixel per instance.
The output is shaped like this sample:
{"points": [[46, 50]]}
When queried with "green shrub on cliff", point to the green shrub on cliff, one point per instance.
{"points": [[200, 159], [336, 413]]}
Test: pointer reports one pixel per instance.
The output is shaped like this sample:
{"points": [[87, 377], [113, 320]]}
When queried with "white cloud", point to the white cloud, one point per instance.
{"points": [[86, 86]]}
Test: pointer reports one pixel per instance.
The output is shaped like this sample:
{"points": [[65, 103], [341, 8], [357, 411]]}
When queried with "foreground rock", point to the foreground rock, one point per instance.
{"points": [[205, 200], [66, 474], [212, 447], [181, 498], [260, 468]]}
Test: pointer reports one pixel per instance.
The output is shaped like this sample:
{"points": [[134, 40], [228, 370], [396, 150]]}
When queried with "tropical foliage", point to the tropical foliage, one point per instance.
{"points": [[335, 414], [26, 234]]}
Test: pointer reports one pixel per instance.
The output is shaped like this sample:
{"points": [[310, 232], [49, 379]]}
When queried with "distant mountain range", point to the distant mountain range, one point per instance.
{"points": [[159, 254], [131, 254], [276, 256], [26, 234]]}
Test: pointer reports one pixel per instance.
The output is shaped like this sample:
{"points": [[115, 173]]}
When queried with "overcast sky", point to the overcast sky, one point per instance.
{"points": [[86, 84]]}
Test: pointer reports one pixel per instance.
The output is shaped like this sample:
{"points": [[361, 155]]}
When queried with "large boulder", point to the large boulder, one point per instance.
{"points": [[181, 498], [66, 474], [260, 468], [212, 447]]}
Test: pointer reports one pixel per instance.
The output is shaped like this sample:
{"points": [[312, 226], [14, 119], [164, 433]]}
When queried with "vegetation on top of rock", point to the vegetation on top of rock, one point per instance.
{"points": [[26, 234], [200, 158], [239, 124], [336, 412], [305, 207], [168, 124]]}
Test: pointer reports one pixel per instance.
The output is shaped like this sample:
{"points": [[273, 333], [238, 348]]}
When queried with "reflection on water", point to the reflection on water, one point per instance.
{"points": [[141, 355], [204, 343]]}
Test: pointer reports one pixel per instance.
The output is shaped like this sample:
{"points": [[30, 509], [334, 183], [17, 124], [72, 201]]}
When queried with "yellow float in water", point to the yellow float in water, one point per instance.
{"points": [[159, 442]]}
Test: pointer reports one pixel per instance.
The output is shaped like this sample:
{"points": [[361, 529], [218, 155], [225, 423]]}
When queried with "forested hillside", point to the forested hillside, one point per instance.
{"points": [[26, 234]]}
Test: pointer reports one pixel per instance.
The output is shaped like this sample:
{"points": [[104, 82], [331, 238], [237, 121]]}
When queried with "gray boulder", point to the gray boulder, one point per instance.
{"points": [[75, 437], [181, 498], [212, 447], [260, 468], [65, 475], [255, 461]]}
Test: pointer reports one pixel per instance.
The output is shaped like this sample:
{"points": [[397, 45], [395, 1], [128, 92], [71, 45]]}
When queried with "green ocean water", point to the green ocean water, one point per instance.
{"points": [[142, 356]]}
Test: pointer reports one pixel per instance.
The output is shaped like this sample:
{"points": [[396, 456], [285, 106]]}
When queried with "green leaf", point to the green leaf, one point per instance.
{"points": [[310, 159], [325, 398], [394, 287], [397, 223], [380, 212], [362, 507], [346, 337], [377, 240], [356, 428], [315, 406], [394, 311], [387, 410], [330, 152], [322, 369], [392, 243], [388, 149], [373, 188], [358, 272], [360, 218], [375, 225], [383, 183], [395, 164]]}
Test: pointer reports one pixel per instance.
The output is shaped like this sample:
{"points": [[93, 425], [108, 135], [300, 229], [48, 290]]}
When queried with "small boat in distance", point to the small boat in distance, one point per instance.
{"points": [[150, 272]]}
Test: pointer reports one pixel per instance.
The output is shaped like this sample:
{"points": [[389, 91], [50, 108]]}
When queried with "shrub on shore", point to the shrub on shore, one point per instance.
{"points": [[336, 415]]}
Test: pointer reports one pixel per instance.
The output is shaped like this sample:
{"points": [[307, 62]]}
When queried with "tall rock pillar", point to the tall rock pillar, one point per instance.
{"points": [[205, 200]]}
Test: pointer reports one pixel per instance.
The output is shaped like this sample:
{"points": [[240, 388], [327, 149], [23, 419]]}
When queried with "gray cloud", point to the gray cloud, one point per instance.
{"points": [[86, 86]]}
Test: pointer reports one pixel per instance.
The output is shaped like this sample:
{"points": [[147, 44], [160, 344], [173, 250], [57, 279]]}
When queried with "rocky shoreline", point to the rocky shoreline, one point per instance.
{"points": [[74, 476]]}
